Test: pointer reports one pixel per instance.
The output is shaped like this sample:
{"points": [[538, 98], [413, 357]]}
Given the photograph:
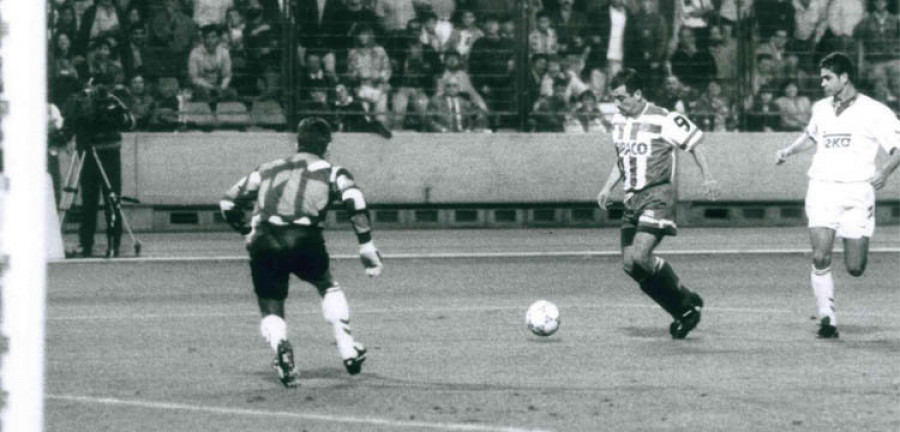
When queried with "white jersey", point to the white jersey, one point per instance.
{"points": [[847, 142]]}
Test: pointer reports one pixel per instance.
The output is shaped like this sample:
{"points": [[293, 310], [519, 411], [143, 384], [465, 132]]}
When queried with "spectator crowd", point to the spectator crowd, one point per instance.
{"points": [[465, 65]]}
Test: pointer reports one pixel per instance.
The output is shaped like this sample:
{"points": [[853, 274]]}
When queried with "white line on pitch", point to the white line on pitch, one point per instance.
{"points": [[476, 255], [373, 421], [445, 310]]}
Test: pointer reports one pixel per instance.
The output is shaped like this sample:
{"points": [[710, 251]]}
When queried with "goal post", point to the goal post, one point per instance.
{"points": [[23, 210]]}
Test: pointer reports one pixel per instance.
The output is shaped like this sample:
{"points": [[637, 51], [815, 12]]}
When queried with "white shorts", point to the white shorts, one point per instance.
{"points": [[848, 208]]}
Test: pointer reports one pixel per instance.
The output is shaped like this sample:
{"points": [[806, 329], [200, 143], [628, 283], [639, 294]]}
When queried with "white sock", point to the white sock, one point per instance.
{"points": [[823, 288], [337, 313], [274, 329]]}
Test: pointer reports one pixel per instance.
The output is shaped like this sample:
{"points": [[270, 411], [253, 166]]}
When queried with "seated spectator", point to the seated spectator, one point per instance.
{"points": [[100, 21], [588, 114], [597, 85], [369, 66], [139, 101], [574, 67], [651, 47], [414, 80], [100, 62], [673, 95], [554, 72], [464, 34], [776, 47], [136, 55], [713, 110], [508, 28], [773, 16], [133, 18], [542, 39], [724, 51], [620, 38], [807, 84], [315, 104], [345, 27], [63, 70], [549, 112], [764, 115], [536, 78], [394, 15], [795, 109], [569, 23], [353, 114], [209, 68], [453, 69], [234, 32], [767, 73], [695, 15], [451, 112], [491, 66], [693, 66], [261, 40], [211, 12], [879, 33], [172, 36], [168, 106], [66, 22], [315, 77], [429, 34]]}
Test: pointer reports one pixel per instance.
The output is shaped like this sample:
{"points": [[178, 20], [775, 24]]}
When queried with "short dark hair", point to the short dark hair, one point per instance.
{"points": [[839, 63], [629, 78], [542, 14], [208, 29], [313, 135], [539, 56]]}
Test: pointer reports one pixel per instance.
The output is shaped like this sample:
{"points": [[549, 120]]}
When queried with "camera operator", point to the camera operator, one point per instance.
{"points": [[97, 118]]}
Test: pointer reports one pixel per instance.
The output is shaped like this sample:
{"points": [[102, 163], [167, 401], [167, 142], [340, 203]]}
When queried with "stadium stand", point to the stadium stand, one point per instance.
{"points": [[512, 53]]}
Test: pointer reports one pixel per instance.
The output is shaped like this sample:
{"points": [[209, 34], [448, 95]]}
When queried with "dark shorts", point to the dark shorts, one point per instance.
{"points": [[276, 253], [650, 210]]}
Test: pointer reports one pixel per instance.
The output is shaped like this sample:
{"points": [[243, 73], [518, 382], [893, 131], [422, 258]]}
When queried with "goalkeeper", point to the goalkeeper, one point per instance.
{"points": [[290, 197]]}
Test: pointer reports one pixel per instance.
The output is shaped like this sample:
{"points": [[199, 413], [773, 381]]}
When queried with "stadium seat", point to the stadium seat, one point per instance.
{"points": [[198, 114], [268, 114], [233, 114]]}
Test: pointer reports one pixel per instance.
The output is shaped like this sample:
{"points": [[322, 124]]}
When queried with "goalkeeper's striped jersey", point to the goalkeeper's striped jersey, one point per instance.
{"points": [[295, 190], [646, 143]]}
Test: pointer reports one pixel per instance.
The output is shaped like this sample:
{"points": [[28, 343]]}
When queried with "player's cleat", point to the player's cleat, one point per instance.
{"points": [[284, 365], [112, 253], [354, 365], [826, 330], [680, 328]]}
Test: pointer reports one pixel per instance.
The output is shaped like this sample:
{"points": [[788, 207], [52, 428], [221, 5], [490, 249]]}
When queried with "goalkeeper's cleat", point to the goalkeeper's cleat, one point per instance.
{"points": [[284, 365], [354, 364], [680, 328], [826, 330]]}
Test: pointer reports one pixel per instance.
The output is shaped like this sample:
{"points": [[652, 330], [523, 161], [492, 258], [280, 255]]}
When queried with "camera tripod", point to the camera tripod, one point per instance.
{"points": [[112, 201]]}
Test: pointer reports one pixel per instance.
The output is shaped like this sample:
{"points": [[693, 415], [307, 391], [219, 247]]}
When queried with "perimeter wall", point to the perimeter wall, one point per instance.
{"points": [[470, 179]]}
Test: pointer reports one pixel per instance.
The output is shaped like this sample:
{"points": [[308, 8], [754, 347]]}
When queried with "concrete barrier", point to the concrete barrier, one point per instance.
{"points": [[500, 177]]}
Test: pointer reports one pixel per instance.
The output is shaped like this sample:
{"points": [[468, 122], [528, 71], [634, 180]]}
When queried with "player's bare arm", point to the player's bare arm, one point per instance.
{"points": [[801, 144], [710, 185], [611, 180], [881, 175]]}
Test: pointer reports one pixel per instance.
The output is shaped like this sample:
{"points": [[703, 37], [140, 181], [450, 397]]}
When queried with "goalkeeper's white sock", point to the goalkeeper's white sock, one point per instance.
{"points": [[337, 313], [823, 288], [274, 329]]}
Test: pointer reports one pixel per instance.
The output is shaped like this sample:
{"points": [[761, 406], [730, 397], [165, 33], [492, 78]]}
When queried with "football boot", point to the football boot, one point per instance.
{"points": [[826, 330], [689, 319], [354, 364], [284, 365]]}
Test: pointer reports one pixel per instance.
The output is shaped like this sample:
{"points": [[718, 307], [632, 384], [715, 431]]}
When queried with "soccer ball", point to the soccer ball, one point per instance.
{"points": [[542, 318]]}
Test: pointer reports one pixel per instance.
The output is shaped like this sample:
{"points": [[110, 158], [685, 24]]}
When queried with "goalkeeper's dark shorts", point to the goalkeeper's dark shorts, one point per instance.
{"points": [[278, 252], [649, 210]]}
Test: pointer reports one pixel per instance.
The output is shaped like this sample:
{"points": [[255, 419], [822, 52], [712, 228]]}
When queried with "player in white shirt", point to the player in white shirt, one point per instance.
{"points": [[846, 128]]}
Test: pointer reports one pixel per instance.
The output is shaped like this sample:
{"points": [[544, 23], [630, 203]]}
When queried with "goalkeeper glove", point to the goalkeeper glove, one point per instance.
{"points": [[371, 259]]}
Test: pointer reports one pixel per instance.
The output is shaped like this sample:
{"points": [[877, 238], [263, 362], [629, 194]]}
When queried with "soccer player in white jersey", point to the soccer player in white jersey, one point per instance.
{"points": [[290, 198], [646, 137], [846, 128]]}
